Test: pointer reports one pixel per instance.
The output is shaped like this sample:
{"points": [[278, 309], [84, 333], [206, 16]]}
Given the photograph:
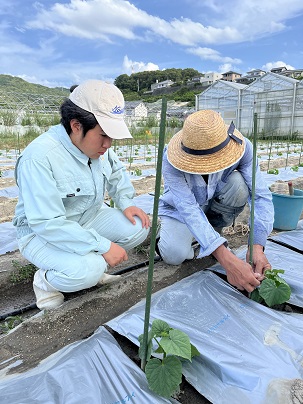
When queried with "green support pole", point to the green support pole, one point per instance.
{"points": [[154, 231], [253, 191]]}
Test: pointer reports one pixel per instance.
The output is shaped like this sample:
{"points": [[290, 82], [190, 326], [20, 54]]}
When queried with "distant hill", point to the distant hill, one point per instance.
{"points": [[16, 84]]}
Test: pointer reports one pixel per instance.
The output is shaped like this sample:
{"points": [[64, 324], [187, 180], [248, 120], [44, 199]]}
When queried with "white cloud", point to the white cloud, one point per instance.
{"points": [[130, 66], [270, 65], [108, 21], [226, 67], [211, 54]]}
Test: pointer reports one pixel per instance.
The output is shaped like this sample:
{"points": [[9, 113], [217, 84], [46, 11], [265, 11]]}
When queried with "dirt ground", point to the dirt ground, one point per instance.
{"points": [[83, 312]]}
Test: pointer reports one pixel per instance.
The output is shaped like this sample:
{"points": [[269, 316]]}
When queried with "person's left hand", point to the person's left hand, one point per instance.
{"points": [[132, 211], [260, 263]]}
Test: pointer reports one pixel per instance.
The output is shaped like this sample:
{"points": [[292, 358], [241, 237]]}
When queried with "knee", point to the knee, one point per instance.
{"points": [[172, 255], [236, 193]]}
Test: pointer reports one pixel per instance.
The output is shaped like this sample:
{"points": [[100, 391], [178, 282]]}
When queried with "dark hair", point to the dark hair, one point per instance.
{"points": [[69, 111], [73, 87]]}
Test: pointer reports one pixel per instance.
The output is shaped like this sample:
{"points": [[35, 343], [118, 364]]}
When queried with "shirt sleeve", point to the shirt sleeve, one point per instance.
{"points": [[189, 210], [119, 186], [45, 212]]}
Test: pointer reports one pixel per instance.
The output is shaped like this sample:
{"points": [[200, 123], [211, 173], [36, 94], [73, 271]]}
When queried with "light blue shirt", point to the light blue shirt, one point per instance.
{"points": [[59, 192], [185, 195]]}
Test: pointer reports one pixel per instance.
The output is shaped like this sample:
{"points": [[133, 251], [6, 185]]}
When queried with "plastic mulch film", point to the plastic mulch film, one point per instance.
{"points": [[280, 258], [285, 174], [293, 238], [8, 241], [247, 350], [94, 371]]}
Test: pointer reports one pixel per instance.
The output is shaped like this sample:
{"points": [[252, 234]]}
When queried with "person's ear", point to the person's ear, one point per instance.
{"points": [[76, 126]]}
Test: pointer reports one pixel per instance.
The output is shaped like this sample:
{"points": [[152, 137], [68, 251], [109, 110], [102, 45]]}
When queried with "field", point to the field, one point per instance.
{"points": [[85, 311]]}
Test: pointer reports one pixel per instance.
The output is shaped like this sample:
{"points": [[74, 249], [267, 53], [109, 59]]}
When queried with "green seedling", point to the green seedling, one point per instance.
{"points": [[138, 172], [9, 323], [273, 289], [165, 375], [294, 168], [273, 171], [22, 273]]}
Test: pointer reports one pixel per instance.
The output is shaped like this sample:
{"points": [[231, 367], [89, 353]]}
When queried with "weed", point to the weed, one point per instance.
{"points": [[22, 273], [9, 323]]}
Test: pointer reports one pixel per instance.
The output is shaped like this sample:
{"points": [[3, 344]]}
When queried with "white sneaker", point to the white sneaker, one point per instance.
{"points": [[106, 279], [47, 297]]}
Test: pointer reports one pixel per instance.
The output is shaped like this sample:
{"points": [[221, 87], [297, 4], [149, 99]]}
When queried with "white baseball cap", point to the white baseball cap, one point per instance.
{"points": [[106, 102]]}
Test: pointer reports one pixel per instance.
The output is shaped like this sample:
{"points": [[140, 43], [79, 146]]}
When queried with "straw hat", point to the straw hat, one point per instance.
{"points": [[205, 144]]}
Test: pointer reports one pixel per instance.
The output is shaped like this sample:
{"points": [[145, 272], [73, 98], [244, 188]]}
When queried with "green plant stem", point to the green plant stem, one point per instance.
{"points": [[154, 231]]}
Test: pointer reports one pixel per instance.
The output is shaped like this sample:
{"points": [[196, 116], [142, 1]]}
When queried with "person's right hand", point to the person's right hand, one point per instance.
{"points": [[115, 255], [239, 273]]}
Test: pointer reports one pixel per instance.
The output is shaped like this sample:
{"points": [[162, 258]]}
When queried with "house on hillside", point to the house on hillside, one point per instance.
{"points": [[135, 109], [161, 84], [210, 78], [278, 70], [295, 74], [230, 76], [250, 76]]}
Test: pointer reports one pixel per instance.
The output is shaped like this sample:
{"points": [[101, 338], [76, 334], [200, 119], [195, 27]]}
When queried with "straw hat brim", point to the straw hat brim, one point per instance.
{"points": [[206, 164]]}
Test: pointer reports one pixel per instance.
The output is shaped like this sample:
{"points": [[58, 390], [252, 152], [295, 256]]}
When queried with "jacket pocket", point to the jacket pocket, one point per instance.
{"points": [[77, 196]]}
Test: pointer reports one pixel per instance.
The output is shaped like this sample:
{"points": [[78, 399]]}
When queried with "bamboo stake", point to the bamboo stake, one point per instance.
{"points": [[154, 232], [253, 191]]}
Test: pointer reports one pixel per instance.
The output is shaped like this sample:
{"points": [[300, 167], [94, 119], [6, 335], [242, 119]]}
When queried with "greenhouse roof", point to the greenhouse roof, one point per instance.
{"points": [[272, 82]]}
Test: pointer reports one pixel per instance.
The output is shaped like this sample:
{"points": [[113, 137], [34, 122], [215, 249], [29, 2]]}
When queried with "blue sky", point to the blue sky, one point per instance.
{"points": [[63, 43]]}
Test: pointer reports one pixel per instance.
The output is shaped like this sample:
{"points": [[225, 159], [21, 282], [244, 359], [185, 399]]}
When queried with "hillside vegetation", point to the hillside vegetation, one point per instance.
{"points": [[16, 84], [137, 86]]}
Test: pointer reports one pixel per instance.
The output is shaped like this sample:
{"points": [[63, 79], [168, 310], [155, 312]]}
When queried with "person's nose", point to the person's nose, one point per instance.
{"points": [[107, 142]]}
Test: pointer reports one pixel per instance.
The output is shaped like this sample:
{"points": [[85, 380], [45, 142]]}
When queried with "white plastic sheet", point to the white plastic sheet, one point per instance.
{"points": [[244, 346], [293, 238], [8, 241], [94, 371], [280, 258]]}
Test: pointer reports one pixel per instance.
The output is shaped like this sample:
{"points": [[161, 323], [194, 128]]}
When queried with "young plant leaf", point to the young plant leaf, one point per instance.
{"points": [[194, 351], [177, 343], [164, 376], [274, 293], [159, 328], [255, 295]]}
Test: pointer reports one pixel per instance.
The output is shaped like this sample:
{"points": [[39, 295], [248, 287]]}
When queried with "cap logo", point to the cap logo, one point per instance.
{"points": [[117, 110]]}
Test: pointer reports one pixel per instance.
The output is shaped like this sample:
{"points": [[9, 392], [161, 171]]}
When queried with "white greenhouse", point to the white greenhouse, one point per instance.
{"points": [[277, 100]]}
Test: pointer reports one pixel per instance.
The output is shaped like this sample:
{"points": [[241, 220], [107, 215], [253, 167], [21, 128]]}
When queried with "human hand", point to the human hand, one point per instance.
{"points": [[260, 263], [115, 255], [133, 211], [239, 273]]}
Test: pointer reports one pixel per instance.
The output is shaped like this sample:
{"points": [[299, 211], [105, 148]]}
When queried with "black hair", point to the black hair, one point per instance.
{"points": [[73, 87], [69, 111]]}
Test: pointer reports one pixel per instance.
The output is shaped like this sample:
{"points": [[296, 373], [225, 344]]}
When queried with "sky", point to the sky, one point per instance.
{"points": [[58, 44]]}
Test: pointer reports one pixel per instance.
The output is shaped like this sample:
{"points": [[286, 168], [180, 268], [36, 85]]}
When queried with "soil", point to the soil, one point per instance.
{"points": [[83, 312]]}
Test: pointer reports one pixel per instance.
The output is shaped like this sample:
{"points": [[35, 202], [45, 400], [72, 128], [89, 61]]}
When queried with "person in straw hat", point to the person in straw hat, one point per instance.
{"points": [[207, 172], [62, 225]]}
